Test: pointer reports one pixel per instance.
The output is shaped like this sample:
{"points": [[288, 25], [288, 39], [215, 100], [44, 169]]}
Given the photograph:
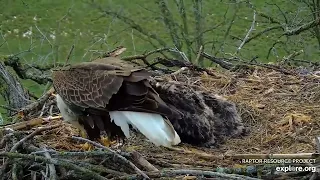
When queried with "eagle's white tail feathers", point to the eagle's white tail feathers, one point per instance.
{"points": [[153, 126]]}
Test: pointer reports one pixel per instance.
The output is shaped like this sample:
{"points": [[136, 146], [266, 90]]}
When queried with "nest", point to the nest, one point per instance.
{"points": [[281, 112]]}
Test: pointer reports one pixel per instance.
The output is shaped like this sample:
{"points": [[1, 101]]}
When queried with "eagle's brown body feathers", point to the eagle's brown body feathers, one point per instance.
{"points": [[92, 89]]}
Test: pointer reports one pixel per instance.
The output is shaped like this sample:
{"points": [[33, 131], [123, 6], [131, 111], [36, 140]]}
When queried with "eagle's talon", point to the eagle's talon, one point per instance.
{"points": [[105, 141], [82, 133], [86, 147]]}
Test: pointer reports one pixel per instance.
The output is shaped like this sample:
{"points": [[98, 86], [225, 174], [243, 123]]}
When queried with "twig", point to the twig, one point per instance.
{"points": [[202, 155], [271, 19], [114, 53], [52, 169], [293, 55], [131, 23], [86, 172], [77, 153], [145, 55], [263, 32], [37, 131], [302, 28], [198, 55], [23, 124], [170, 23], [42, 110], [56, 154], [69, 55], [14, 172], [199, 24], [269, 66], [248, 33], [317, 140], [37, 104], [179, 71], [220, 61], [4, 139], [143, 162], [173, 173], [26, 71], [9, 108], [19, 143], [115, 153]]}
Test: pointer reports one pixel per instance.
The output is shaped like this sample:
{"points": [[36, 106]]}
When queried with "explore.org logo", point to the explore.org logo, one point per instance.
{"points": [[290, 168]]}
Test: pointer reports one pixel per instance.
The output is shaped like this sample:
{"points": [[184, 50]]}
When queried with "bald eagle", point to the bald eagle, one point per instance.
{"points": [[103, 97]]}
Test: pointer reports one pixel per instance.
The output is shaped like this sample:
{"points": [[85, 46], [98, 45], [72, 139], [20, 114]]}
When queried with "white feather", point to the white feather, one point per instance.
{"points": [[153, 126], [67, 114]]}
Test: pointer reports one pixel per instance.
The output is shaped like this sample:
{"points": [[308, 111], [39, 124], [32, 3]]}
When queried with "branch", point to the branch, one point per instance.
{"points": [[25, 71], [37, 105], [302, 28], [115, 154], [170, 23], [184, 29], [131, 23], [52, 169], [32, 158], [37, 131], [145, 55], [271, 19], [142, 161], [173, 173], [249, 32], [220, 61], [263, 32], [197, 5], [19, 143]]}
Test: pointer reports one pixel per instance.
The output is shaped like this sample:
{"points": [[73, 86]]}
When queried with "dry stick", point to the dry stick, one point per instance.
{"points": [[37, 131], [247, 35], [19, 143], [114, 53], [56, 154], [23, 124], [202, 155], [269, 66], [143, 162], [293, 55], [115, 154], [179, 71], [52, 169], [57, 162], [14, 165], [4, 139], [37, 104], [69, 55], [172, 173], [317, 140], [14, 172], [9, 108], [99, 168], [145, 55], [198, 55]]}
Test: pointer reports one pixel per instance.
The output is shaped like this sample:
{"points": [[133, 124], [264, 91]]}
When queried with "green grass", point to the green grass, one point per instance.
{"points": [[76, 22]]}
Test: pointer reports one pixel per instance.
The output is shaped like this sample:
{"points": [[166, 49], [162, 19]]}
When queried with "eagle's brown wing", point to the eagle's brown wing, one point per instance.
{"points": [[109, 84]]}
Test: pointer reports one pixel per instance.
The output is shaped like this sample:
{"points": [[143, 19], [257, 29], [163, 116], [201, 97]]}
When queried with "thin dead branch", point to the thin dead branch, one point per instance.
{"points": [[115, 153]]}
